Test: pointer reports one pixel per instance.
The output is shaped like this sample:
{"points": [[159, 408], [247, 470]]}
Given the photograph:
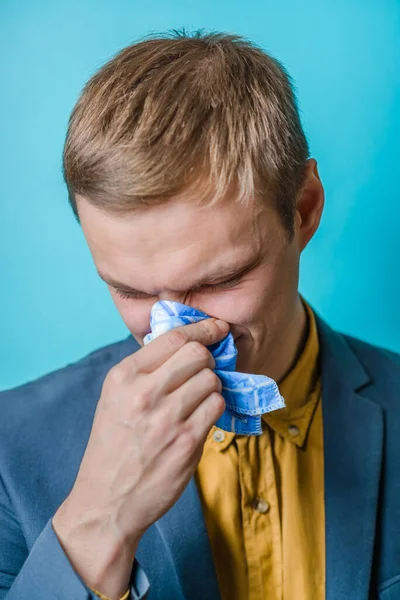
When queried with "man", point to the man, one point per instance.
{"points": [[189, 172]]}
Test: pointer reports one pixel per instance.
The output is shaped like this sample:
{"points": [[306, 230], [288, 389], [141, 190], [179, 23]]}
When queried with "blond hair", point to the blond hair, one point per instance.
{"points": [[181, 111]]}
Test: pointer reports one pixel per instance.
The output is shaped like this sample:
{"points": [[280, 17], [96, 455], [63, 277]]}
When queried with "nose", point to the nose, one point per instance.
{"points": [[173, 296]]}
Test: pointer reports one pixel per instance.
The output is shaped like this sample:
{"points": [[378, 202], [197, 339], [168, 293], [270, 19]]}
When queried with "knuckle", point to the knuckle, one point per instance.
{"points": [[210, 329], [142, 402], [198, 349], [212, 378], [175, 339], [117, 375], [188, 441], [217, 401], [163, 430]]}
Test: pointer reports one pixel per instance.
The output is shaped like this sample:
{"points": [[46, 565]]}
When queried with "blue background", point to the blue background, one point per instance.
{"points": [[345, 59]]}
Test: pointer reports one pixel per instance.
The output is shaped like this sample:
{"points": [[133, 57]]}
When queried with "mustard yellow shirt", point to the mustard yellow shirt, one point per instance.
{"points": [[263, 496]]}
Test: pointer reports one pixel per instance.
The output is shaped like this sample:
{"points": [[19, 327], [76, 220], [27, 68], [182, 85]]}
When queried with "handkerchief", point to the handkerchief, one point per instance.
{"points": [[246, 396]]}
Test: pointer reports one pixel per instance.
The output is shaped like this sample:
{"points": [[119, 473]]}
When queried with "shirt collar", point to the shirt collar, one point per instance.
{"points": [[301, 390]]}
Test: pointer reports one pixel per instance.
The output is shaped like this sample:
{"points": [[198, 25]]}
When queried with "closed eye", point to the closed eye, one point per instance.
{"points": [[207, 288]]}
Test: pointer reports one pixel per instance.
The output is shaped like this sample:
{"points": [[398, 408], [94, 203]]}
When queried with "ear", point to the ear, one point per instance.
{"points": [[309, 205]]}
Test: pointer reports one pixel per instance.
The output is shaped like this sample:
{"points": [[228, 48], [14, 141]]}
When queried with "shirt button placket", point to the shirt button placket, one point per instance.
{"points": [[218, 435], [293, 430], [261, 505]]}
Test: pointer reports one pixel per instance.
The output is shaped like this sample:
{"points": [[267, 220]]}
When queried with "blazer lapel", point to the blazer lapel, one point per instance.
{"points": [[184, 531], [353, 439], [176, 554]]}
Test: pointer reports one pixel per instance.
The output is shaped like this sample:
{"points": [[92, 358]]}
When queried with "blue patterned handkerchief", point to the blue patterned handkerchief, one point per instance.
{"points": [[247, 396]]}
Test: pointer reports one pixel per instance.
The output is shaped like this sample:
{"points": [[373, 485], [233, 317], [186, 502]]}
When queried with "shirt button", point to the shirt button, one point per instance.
{"points": [[293, 430], [261, 506], [218, 435]]}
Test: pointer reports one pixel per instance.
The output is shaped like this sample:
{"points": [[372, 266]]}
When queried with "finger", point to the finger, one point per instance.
{"points": [[200, 421], [181, 366], [184, 400], [158, 351]]}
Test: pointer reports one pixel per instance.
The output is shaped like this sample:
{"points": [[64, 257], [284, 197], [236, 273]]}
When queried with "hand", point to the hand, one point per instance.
{"points": [[153, 416]]}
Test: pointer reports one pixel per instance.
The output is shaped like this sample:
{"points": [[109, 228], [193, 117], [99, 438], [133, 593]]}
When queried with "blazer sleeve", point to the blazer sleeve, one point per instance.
{"points": [[45, 571]]}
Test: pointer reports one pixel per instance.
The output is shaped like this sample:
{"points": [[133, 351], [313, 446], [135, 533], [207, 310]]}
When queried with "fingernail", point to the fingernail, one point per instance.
{"points": [[222, 325]]}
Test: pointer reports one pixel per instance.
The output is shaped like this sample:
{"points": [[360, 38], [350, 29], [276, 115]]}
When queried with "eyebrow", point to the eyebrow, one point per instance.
{"points": [[219, 276]]}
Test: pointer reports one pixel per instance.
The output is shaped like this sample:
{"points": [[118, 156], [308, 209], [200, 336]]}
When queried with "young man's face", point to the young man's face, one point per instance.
{"points": [[179, 251]]}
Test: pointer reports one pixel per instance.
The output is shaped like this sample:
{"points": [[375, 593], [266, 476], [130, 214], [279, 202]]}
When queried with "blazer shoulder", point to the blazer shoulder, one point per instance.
{"points": [[383, 367], [58, 394], [375, 356], [101, 356]]}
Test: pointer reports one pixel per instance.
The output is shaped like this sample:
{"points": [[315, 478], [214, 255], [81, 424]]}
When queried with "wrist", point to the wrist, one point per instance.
{"points": [[97, 552]]}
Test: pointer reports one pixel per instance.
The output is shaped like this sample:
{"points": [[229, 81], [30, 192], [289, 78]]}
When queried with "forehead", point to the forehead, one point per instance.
{"points": [[170, 246]]}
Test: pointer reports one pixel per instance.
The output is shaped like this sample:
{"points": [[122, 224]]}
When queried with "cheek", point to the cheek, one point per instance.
{"points": [[253, 301], [240, 306], [233, 307]]}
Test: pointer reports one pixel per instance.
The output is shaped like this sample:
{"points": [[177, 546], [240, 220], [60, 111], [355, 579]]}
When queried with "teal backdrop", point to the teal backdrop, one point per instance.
{"points": [[344, 56]]}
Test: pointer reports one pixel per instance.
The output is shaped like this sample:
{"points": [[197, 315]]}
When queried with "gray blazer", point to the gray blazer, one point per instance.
{"points": [[44, 429]]}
